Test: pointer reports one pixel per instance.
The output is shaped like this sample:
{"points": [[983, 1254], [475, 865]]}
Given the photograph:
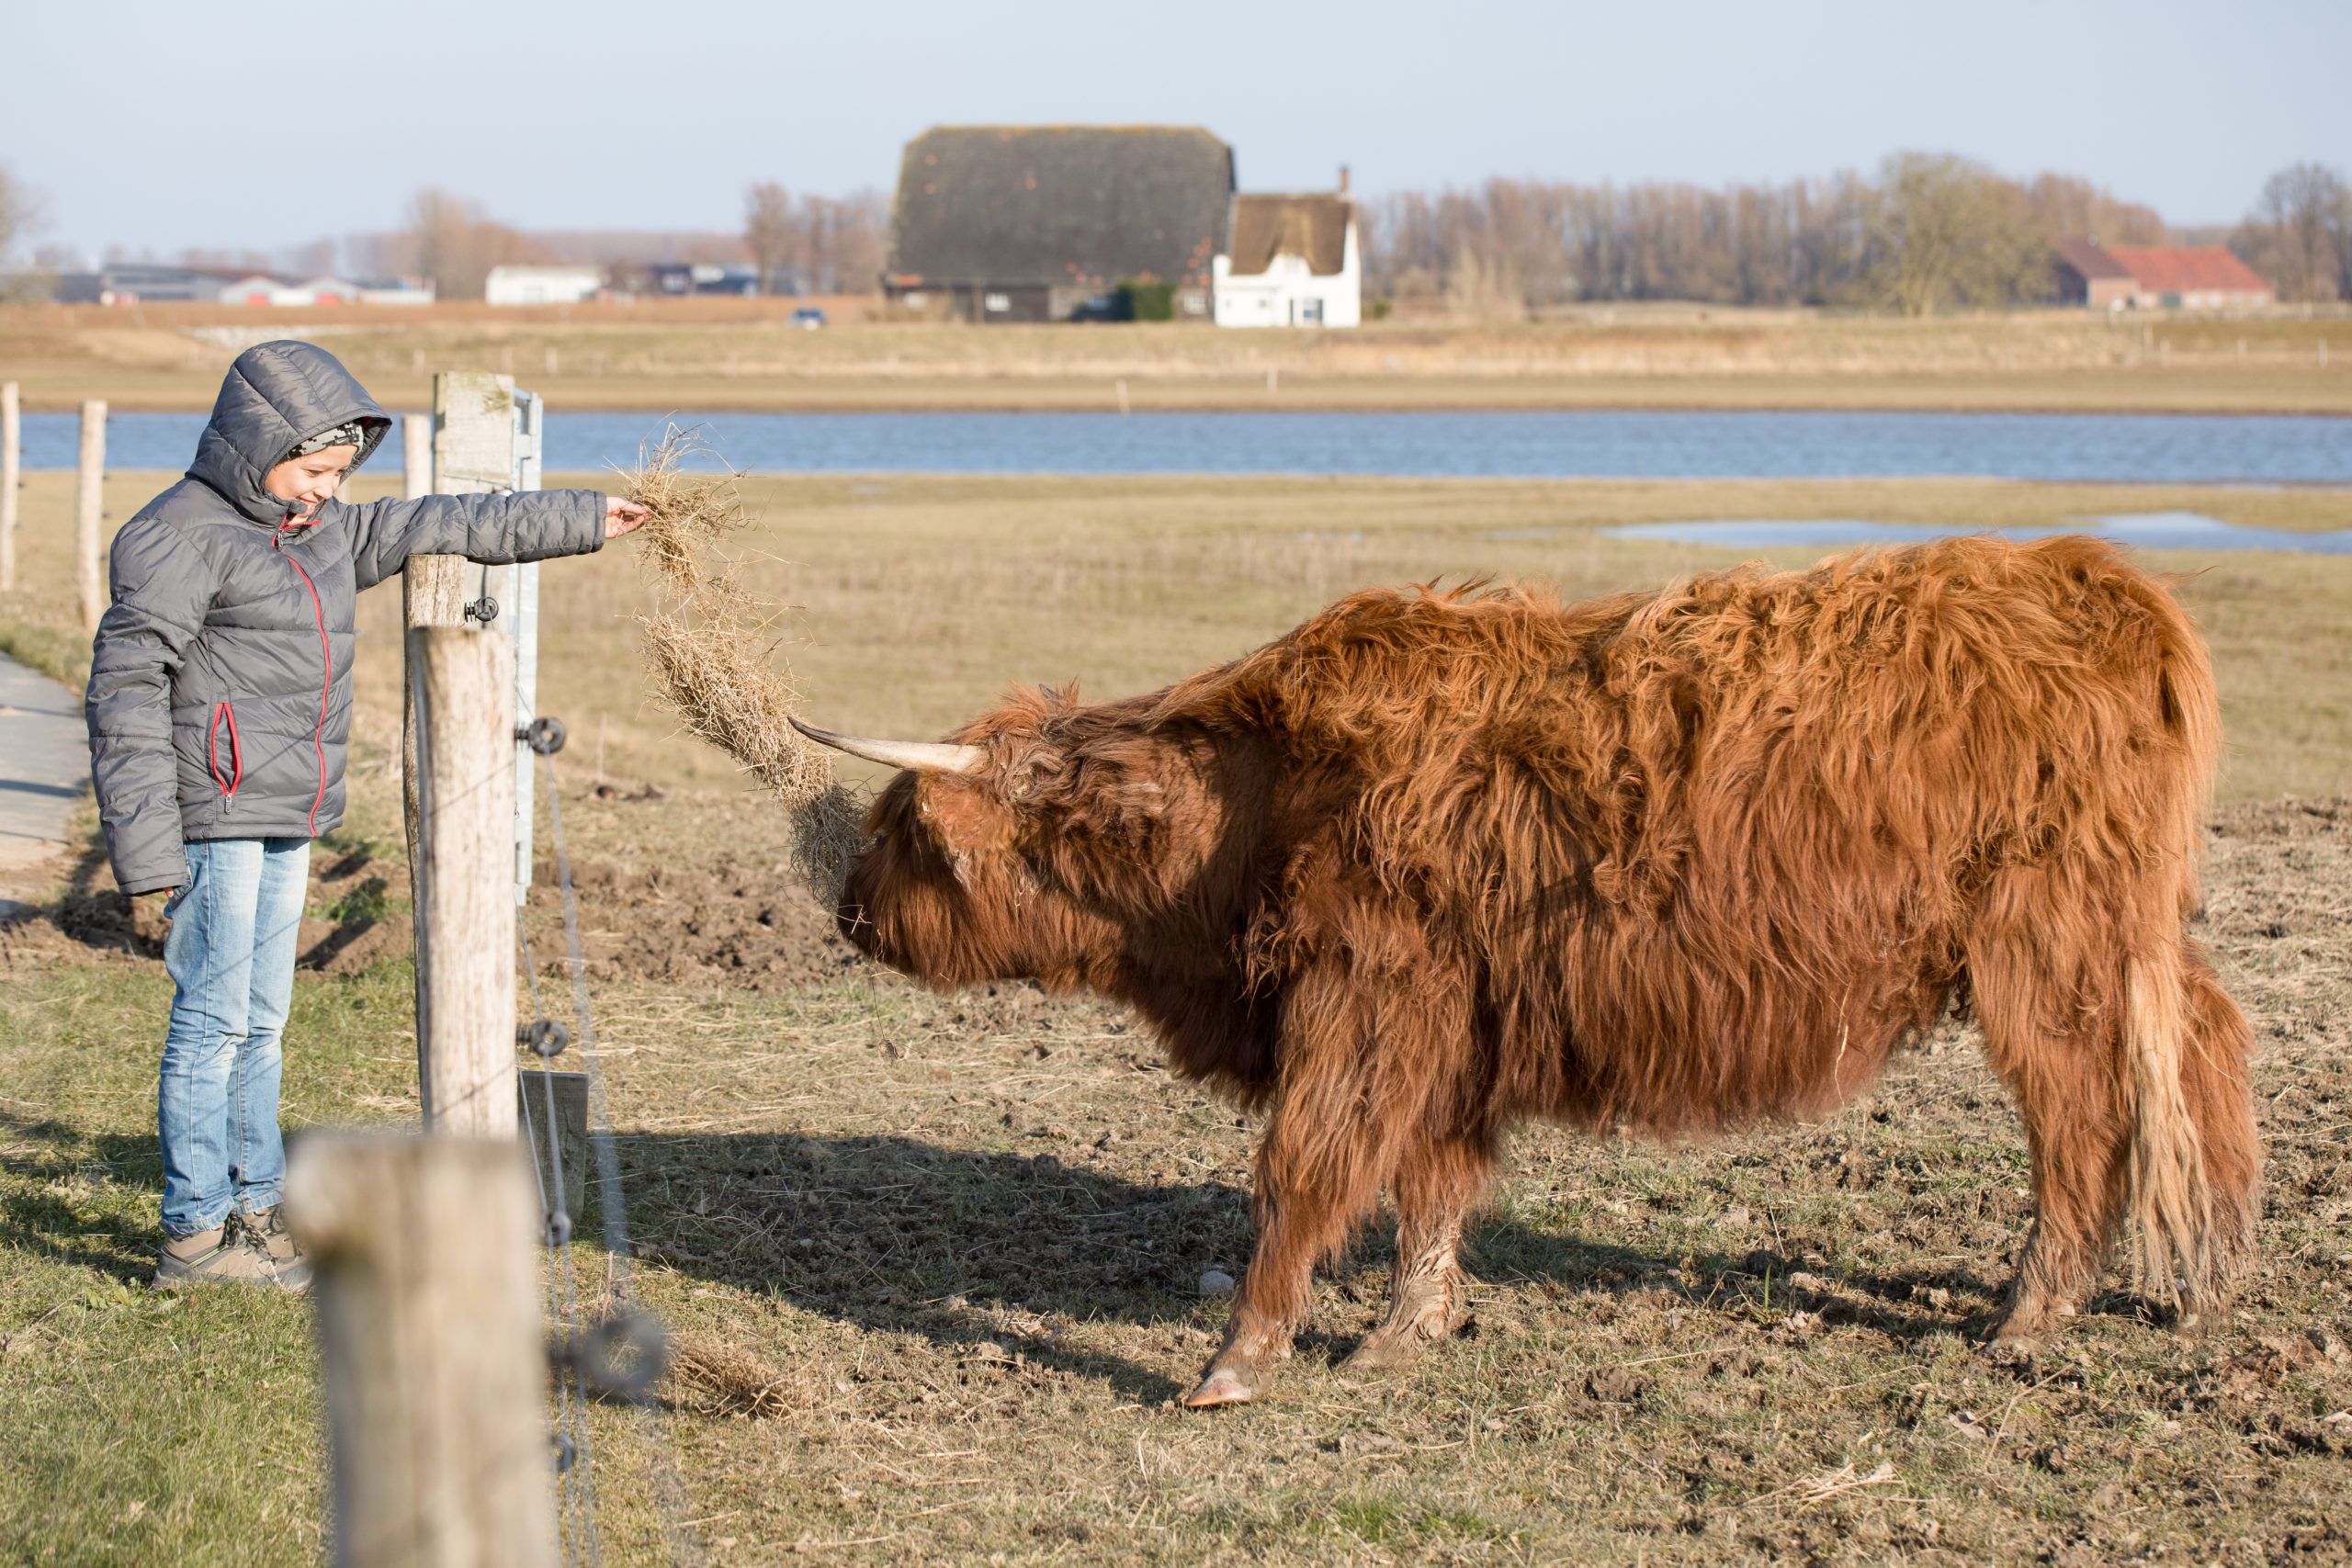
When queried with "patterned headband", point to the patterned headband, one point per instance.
{"points": [[341, 436]]}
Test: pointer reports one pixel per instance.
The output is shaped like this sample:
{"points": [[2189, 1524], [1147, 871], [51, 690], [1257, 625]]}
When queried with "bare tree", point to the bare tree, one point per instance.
{"points": [[770, 234], [2300, 234], [22, 212], [1950, 231], [456, 245], [2065, 207]]}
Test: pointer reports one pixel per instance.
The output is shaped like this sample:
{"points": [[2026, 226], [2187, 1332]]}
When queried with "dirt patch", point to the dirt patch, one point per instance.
{"points": [[729, 922]]}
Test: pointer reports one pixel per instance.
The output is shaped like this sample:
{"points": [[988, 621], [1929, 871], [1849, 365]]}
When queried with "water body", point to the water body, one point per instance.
{"points": [[2263, 449], [2148, 530]]}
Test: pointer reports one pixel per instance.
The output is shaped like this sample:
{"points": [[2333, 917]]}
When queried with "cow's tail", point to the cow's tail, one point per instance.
{"points": [[2172, 1202], [2194, 1164]]}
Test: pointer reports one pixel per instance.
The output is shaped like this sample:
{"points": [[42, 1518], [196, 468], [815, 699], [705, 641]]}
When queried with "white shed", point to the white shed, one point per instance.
{"points": [[542, 284], [1294, 264]]}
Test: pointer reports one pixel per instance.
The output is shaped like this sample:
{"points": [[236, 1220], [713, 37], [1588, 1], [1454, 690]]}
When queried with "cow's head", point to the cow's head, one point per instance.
{"points": [[1038, 842]]}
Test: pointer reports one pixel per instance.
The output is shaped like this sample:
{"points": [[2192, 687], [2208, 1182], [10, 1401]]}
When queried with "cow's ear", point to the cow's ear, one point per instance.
{"points": [[967, 819], [1031, 764]]}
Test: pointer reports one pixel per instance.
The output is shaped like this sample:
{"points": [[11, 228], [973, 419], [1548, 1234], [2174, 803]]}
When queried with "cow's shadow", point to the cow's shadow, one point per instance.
{"points": [[900, 1236]]}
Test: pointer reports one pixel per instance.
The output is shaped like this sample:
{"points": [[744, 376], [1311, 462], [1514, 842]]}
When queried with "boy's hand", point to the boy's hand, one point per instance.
{"points": [[620, 516]]}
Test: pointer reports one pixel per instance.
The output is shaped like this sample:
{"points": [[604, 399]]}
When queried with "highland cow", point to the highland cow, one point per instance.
{"points": [[1436, 864]]}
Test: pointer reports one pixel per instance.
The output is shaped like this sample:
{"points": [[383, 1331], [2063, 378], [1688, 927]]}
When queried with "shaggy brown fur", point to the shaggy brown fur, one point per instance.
{"points": [[1436, 864]]}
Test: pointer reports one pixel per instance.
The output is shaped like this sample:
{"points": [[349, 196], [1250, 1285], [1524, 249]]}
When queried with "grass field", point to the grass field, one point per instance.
{"points": [[742, 354], [932, 1260]]}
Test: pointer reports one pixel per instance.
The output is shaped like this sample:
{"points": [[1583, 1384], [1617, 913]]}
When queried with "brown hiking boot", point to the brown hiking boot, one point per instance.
{"points": [[266, 1231], [218, 1256]]}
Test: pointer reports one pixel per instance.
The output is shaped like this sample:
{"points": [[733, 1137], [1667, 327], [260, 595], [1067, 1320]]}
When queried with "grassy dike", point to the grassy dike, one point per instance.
{"points": [[723, 355], [932, 1259]]}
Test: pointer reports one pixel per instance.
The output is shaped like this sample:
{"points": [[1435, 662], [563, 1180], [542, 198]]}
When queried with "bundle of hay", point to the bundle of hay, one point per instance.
{"points": [[709, 646]]}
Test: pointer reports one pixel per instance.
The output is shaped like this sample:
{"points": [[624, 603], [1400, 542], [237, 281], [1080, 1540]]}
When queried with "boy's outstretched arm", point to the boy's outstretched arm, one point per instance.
{"points": [[523, 525]]}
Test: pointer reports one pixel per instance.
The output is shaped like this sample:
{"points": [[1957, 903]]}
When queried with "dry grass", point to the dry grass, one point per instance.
{"points": [[709, 647], [932, 1260], [1658, 357]]}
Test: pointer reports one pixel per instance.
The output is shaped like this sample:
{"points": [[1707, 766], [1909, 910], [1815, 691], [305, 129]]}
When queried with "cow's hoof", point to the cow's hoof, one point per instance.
{"points": [[1383, 1351], [1427, 1315], [1230, 1382]]}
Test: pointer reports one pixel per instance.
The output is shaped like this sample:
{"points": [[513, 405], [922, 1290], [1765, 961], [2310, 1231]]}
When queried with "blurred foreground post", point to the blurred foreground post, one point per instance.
{"points": [[11, 433], [416, 456], [464, 870], [430, 1339], [88, 499]]}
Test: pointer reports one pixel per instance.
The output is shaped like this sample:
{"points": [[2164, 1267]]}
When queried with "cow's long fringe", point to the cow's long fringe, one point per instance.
{"points": [[710, 647]]}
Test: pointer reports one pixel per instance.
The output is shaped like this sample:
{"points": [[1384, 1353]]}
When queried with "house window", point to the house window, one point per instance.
{"points": [[1306, 312], [998, 301]]}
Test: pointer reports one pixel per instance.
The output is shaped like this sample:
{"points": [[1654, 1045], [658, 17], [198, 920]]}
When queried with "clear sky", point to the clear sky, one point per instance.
{"points": [[167, 125]]}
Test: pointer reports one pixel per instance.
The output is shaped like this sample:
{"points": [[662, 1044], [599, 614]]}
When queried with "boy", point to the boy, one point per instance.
{"points": [[218, 704]]}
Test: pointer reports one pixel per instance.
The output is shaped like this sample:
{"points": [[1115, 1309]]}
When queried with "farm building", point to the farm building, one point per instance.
{"points": [[1031, 223], [132, 284], [542, 284], [1294, 263], [2204, 277]]}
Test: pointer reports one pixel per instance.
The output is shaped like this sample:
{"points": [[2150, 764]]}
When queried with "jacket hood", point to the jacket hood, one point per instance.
{"points": [[276, 396]]}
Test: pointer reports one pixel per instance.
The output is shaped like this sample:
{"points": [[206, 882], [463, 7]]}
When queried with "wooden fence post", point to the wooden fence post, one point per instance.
{"points": [[89, 496], [11, 436], [430, 1336], [472, 414], [465, 920]]}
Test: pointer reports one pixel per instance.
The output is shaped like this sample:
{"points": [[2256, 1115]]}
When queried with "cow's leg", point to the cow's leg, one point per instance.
{"points": [[1368, 1034], [1314, 1180], [2053, 1033], [1435, 1188]]}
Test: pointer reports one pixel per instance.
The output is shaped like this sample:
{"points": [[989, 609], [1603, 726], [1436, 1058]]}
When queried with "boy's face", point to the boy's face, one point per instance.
{"points": [[311, 478]]}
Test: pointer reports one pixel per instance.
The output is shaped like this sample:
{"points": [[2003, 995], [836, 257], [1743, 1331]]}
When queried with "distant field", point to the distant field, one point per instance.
{"points": [[922, 597], [743, 354]]}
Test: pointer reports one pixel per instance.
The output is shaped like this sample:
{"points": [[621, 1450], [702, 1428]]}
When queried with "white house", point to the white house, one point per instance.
{"points": [[1294, 264], [542, 284]]}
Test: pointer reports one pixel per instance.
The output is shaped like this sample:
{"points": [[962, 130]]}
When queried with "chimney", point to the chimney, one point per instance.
{"points": [[1343, 179]]}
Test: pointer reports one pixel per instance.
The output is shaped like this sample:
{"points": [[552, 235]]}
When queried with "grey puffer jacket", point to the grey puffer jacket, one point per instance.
{"points": [[220, 682]]}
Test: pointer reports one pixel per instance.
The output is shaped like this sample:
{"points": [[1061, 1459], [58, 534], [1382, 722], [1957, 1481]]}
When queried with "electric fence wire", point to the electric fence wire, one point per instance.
{"points": [[586, 1360], [575, 1476], [626, 1318]]}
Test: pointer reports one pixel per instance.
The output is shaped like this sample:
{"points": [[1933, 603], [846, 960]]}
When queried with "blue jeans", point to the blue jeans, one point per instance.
{"points": [[230, 956]]}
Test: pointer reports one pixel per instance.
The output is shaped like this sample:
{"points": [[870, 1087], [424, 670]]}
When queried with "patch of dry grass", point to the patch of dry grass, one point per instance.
{"points": [[965, 1232], [709, 647]]}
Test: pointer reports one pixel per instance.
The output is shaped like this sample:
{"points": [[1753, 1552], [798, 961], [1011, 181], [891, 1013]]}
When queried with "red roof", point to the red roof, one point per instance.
{"points": [[2161, 269], [2090, 259]]}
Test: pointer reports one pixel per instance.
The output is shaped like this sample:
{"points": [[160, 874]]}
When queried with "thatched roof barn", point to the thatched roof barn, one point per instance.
{"points": [[1027, 223]]}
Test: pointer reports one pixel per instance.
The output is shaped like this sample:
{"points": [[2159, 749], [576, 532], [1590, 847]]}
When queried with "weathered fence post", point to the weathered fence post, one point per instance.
{"points": [[89, 494], [472, 411], [11, 436], [430, 1333], [465, 916]]}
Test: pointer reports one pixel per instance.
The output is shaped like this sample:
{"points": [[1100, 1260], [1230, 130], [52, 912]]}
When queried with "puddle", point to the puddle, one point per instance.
{"points": [[2147, 530]]}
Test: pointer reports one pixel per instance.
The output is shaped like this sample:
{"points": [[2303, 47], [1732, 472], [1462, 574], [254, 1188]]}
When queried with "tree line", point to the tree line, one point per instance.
{"points": [[809, 244], [1926, 232]]}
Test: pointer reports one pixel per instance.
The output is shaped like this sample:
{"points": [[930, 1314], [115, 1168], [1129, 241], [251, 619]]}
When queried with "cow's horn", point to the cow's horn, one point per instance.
{"points": [[927, 756]]}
